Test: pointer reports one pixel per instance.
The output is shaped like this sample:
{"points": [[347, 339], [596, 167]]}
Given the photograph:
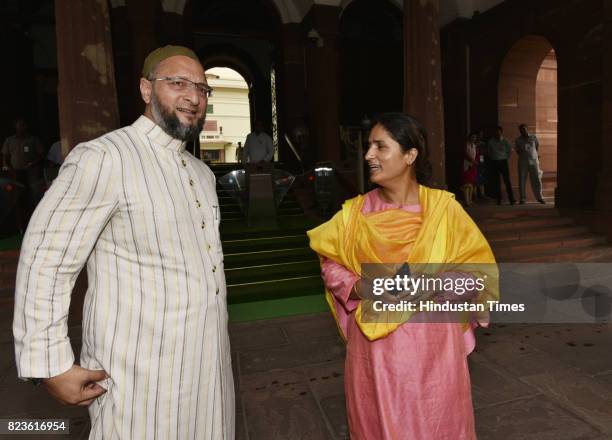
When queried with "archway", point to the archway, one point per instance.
{"points": [[244, 36], [527, 93], [228, 119]]}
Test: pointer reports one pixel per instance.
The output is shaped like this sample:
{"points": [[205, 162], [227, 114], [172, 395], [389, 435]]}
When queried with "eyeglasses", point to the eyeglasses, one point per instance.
{"points": [[179, 84]]}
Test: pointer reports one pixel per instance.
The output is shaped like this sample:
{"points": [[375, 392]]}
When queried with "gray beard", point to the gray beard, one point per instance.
{"points": [[170, 123]]}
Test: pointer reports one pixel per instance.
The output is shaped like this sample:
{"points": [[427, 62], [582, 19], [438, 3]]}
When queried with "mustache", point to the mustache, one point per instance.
{"points": [[170, 123]]}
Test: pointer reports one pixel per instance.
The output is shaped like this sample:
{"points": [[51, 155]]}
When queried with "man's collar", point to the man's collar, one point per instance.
{"points": [[157, 135]]}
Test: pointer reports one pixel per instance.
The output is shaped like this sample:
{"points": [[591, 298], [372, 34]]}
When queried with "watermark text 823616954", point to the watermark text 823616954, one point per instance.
{"points": [[37, 426]]}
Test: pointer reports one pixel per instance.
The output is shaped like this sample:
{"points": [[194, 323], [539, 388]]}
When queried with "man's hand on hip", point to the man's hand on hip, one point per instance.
{"points": [[76, 386]]}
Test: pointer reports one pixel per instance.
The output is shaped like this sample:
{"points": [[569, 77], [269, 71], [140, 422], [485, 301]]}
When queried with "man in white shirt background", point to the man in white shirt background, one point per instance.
{"points": [[527, 146], [258, 146]]}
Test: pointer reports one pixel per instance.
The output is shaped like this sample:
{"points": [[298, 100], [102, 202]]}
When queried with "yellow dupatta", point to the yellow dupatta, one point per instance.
{"points": [[446, 235]]}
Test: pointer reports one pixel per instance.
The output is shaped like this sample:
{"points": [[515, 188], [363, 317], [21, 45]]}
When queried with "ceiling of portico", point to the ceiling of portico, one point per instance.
{"points": [[293, 11]]}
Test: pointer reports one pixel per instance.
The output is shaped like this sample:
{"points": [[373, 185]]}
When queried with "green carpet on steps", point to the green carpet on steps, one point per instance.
{"points": [[10, 243], [277, 308], [280, 243]]}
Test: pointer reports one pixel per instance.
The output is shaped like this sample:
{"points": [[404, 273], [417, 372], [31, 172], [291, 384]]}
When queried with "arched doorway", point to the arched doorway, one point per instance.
{"points": [[527, 93], [244, 36], [228, 116]]}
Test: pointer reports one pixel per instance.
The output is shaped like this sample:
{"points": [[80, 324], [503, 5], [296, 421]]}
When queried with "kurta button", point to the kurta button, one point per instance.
{"points": [[191, 182], [198, 203], [209, 246], [183, 162], [214, 268], [203, 225], [217, 291]]}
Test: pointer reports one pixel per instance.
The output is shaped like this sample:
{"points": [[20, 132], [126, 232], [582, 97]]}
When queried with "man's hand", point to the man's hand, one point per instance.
{"points": [[76, 386]]}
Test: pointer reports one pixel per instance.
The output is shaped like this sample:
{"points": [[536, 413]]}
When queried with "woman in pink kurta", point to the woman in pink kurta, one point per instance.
{"points": [[412, 383]]}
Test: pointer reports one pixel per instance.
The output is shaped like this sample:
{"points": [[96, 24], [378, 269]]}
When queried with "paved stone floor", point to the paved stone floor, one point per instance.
{"points": [[529, 382]]}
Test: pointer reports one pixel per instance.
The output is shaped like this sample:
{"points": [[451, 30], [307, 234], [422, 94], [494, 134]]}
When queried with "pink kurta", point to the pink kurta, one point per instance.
{"points": [[413, 384]]}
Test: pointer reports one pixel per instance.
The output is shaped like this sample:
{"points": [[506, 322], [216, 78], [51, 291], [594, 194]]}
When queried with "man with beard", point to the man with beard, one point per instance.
{"points": [[142, 214]]}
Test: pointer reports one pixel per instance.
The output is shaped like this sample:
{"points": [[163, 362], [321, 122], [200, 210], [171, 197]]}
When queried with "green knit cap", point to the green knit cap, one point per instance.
{"points": [[162, 53]]}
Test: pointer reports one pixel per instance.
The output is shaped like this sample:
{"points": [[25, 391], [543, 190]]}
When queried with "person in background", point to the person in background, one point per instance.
{"points": [[470, 168], [258, 146], [23, 154], [527, 147], [481, 179], [499, 151], [239, 152], [54, 161]]}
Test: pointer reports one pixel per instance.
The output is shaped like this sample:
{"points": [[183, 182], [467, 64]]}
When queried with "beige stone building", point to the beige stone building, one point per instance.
{"points": [[228, 120]]}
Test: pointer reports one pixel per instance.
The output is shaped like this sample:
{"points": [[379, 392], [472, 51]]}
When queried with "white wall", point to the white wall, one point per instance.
{"points": [[231, 110]]}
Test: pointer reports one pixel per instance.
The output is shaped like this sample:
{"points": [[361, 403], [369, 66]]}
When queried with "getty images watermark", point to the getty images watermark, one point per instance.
{"points": [[500, 293]]}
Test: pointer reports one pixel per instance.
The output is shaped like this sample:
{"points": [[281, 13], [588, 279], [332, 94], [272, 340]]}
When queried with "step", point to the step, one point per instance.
{"points": [[289, 204], [292, 215], [290, 211], [246, 259], [266, 272], [233, 216], [7, 298], [265, 243], [522, 223], [235, 209], [12, 254], [536, 247], [8, 265], [230, 209], [493, 214], [274, 289], [227, 202], [7, 280], [533, 234], [250, 234], [590, 254]]}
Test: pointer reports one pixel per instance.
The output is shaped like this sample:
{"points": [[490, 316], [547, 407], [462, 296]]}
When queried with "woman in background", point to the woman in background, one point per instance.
{"points": [[403, 380], [470, 168]]}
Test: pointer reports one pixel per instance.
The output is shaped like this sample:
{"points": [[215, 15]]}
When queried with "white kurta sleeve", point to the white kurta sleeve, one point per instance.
{"points": [[60, 236]]}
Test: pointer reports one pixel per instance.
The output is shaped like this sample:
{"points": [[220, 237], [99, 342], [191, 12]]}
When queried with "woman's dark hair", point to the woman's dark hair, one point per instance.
{"points": [[408, 133]]}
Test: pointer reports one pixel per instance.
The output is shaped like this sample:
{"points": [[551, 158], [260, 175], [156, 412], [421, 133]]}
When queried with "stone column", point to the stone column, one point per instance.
{"points": [[423, 88], [603, 193], [87, 96], [293, 95], [134, 36], [321, 82]]}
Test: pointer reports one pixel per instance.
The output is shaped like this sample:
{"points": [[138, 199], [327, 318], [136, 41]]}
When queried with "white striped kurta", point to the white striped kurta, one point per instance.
{"points": [[143, 215]]}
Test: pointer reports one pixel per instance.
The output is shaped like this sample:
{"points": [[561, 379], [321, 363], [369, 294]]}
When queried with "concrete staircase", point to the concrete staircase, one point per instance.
{"points": [[267, 264], [537, 233]]}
